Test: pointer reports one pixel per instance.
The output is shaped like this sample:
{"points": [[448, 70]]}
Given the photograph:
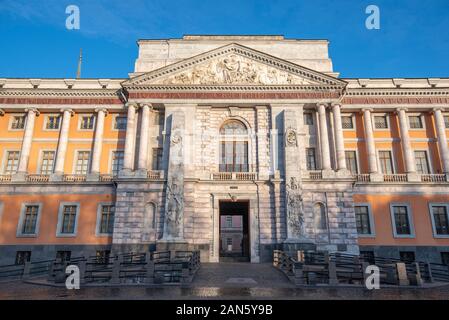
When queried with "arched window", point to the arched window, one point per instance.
{"points": [[150, 215], [319, 212], [233, 147]]}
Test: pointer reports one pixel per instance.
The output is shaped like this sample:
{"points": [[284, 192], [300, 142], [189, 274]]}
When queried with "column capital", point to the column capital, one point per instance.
{"points": [[438, 109], [401, 109], [319, 104], [367, 109], [143, 105], [70, 110], [102, 109], [132, 104], [336, 104], [2, 112], [35, 110]]}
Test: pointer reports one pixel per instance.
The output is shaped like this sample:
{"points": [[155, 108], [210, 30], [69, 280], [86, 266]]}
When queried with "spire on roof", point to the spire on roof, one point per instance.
{"points": [[80, 60]]}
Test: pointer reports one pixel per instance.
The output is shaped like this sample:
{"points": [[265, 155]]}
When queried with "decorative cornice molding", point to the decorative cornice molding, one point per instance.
{"points": [[59, 93], [362, 92]]}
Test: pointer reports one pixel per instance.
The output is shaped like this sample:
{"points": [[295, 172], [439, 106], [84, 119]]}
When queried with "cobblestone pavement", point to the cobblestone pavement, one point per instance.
{"points": [[223, 281]]}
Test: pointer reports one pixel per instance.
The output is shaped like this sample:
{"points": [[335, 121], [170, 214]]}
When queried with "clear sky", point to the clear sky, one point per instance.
{"points": [[413, 40]]}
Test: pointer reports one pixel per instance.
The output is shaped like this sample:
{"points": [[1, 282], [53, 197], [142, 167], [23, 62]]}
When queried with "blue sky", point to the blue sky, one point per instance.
{"points": [[413, 40]]}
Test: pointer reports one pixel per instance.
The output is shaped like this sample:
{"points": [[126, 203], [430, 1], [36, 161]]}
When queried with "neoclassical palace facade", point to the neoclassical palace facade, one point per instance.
{"points": [[212, 127]]}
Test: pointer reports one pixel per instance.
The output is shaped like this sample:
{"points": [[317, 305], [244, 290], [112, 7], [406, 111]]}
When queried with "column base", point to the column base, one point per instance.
{"points": [[19, 177], [328, 174], [93, 176], [56, 177], [125, 173], [413, 177], [376, 177], [141, 174], [343, 173]]}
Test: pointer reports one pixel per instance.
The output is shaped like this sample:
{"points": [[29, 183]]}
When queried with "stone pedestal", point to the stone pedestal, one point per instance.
{"points": [[413, 177], [93, 176], [56, 177], [19, 177], [376, 177]]}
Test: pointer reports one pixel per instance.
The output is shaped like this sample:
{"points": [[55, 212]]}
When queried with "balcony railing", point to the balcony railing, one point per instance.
{"points": [[365, 177], [5, 178], [229, 176], [433, 178], [315, 175], [38, 178], [395, 178], [106, 177], [74, 178], [155, 175]]}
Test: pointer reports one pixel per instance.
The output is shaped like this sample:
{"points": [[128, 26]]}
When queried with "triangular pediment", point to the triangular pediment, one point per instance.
{"points": [[234, 65]]}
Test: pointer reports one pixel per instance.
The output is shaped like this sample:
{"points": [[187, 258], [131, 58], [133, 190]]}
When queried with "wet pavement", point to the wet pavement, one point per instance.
{"points": [[223, 281]]}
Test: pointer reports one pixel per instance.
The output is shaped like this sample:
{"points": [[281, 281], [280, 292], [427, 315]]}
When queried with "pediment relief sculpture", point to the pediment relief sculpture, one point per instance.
{"points": [[234, 70]]}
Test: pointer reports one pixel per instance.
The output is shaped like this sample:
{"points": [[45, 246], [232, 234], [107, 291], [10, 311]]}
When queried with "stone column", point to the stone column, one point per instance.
{"points": [[324, 138], [370, 146], [130, 140], [62, 145], [22, 170], [98, 145], [143, 147], [409, 157], [442, 139], [339, 140]]}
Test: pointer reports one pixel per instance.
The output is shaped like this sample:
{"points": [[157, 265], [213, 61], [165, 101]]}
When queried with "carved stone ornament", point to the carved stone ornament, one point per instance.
{"points": [[234, 69], [176, 139], [290, 138], [295, 208]]}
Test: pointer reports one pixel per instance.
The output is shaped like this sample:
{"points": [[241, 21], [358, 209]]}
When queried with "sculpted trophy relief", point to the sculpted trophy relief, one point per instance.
{"points": [[237, 70]]}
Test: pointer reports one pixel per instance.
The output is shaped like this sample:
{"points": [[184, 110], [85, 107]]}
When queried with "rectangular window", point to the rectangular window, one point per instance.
{"points": [[311, 159], [159, 118], [118, 158], [157, 159], [407, 256], [107, 219], [53, 122], [362, 219], [422, 164], [47, 163], [63, 256], [69, 219], [82, 162], [368, 256], [386, 162], [12, 162], [401, 220], [30, 219], [415, 122], [87, 122], [308, 119], [229, 241], [229, 221], [346, 122], [351, 161], [446, 122], [440, 220], [380, 122], [102, 256], [18, 123], [22, 257], [445, 258], [120, 123]]}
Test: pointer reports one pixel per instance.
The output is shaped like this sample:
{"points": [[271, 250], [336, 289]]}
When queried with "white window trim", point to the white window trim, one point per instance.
{"points": [[40, 160], [19, 232], [445, 115], [410, 219], [5, 158], [393, 162], [60, 214], [357, 158], [352, 115], [429, 159], [98, 224], [11, 118], [111, 158], [114, 118], [372, 224], [44, 128], [313, 119], [434, 232], [423, 121], [80, 119], [75, 159], [385, 114]]}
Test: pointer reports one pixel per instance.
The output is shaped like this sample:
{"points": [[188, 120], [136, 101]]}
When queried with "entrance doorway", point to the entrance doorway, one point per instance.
{"points": [[234, 231]]}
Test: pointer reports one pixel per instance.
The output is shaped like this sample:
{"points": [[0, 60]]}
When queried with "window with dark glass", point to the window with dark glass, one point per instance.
{"points": [[233, 147], [311, 159], [407, 256], [159, 118], [53, 122], [22, 257], [319, 212], [368, 256], [63, 256], [346, 122], [386, 162], [415, 122], [380, 122], [157, 159], [229, 221], [422, 165], [362, 219], [18, 122], [69, 219], [103, 256], [107, 218], [117, 161], [308, 119], [351, 161], [401, 220], [445, 258], [87, 122], [446, 122], [30, 219], [440, 220], [120, 123]]}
